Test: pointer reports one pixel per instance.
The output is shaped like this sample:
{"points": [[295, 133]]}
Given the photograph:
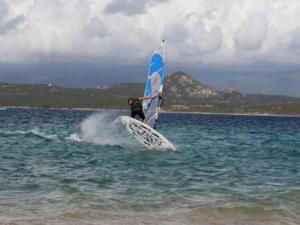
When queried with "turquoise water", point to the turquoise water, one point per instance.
{"points": [[76, 167]]}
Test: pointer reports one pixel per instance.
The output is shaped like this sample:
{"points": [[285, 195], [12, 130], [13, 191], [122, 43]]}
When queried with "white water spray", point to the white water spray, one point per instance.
{"points": [[103, 129]]}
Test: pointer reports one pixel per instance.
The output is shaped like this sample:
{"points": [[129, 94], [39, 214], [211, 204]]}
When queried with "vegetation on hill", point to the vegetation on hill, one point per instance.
{"points": [[182, 93]]}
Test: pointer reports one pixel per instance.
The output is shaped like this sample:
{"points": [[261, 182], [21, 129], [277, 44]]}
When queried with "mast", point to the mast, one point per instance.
{"points": [[163, 47], [160, 98]]}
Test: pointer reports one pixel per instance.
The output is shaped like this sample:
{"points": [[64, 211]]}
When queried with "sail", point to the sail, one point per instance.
{"points": [[154, 87]]}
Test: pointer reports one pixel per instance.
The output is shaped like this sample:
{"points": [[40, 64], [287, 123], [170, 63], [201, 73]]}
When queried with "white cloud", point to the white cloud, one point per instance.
{"points": [[125, 32], [252, 33], [203, 40]]}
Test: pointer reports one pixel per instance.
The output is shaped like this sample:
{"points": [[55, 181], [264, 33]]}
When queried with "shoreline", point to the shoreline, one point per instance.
{"points": [[173, 112], [236, 114]]}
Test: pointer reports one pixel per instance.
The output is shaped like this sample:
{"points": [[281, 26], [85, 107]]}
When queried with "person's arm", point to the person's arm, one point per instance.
{"points": [[149, 97], [143, 98]]}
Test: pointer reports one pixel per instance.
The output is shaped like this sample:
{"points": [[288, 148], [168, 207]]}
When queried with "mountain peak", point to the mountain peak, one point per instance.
{"points": [[181, 84]]}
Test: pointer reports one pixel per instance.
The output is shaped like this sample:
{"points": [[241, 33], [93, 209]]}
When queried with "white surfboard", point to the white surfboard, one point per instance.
{"points": [[146, 135]]}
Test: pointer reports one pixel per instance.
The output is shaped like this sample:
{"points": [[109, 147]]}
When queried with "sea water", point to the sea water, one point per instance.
{"points": [[78, 167]]}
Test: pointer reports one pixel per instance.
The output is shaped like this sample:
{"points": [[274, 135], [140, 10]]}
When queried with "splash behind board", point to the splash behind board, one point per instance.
{"points": [[146, 135]]}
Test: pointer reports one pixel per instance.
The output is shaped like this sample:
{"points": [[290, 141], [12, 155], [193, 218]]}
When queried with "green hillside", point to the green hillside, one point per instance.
{"points": [[182, 93]]}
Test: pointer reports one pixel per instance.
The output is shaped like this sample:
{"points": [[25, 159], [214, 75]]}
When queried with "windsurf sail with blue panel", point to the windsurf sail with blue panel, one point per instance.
{"points": [[154, 87]]}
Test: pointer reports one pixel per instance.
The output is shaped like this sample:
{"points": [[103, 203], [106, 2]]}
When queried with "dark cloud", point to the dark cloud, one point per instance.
{"points": [[71, 74], [3, 10], [296, 38], [254, 78], [130, 7], [175, 33], [266, 78], [96, 27], [11, 24]]}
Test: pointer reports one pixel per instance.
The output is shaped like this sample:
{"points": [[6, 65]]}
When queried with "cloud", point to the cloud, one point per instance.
{"points": [[124, 32], [3, 10], [204, 40], [11, 24], [296, 38], [193, 42], [127, 7], [176, 33], [252, 33], [130, 7], [96, 27]]}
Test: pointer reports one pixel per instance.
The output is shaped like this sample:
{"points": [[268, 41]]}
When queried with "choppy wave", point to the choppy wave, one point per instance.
{"points": [[225, 172], [33, 132], [41, 134]]}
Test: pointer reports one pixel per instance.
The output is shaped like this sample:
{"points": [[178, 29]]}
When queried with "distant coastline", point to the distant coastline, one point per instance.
{"points": [[182, 94], [162, 111], [236, 114]]}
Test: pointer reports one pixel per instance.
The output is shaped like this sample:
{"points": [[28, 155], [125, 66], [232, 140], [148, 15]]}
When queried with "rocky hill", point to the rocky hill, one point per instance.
{"points": [[180, 84], [182, 93]]}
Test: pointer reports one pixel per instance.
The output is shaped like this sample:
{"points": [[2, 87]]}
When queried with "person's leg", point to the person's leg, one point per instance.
{"points": [[133, 114], [142, 115]]}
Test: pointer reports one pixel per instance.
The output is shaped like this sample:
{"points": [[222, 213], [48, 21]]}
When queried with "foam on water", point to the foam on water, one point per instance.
{"points": [[74, 137]]}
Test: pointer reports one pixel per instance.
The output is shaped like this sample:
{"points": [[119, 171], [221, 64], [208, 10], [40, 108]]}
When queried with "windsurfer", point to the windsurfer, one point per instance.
{"points": [[136, 107]]}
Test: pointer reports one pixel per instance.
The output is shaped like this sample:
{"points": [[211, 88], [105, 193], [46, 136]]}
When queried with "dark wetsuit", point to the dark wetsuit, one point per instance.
{"points": [[137, 109]]}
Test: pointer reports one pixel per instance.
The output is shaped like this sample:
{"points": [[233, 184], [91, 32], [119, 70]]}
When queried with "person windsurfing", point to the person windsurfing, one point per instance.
{"points": [[136, 107]]}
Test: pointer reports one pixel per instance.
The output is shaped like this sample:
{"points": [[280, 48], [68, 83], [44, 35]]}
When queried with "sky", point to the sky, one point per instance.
{"points": [[253, 46]]}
